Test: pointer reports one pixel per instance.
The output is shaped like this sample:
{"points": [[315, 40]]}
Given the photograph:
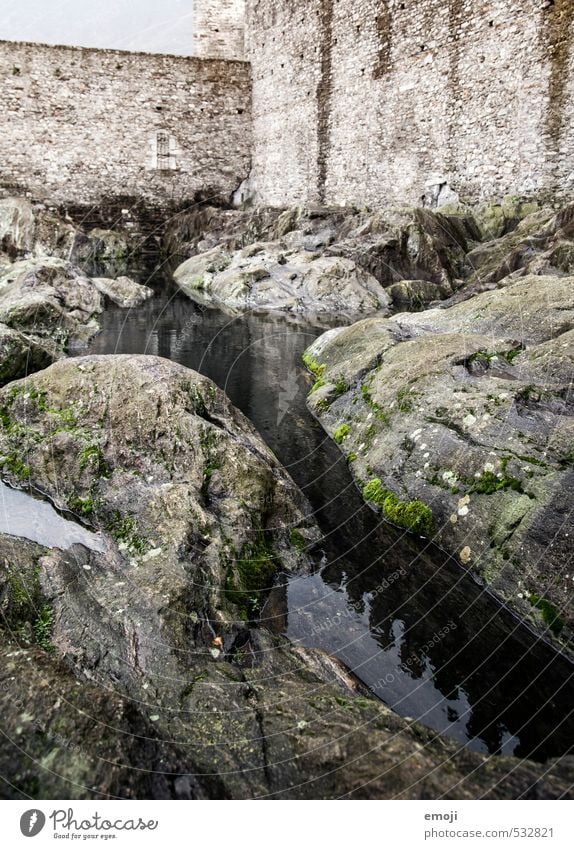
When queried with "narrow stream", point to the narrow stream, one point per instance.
{"points": [[413, 626], [22, 515]]}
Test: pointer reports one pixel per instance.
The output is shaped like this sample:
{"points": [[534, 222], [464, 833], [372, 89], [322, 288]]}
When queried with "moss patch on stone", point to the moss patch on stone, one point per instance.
{"points": [[415, 516], [549, 613], [249, 580], [341, 432]]}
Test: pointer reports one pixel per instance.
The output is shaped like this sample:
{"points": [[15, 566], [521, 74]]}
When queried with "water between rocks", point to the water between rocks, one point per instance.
{"points": [[22, 515], [410, 623]]}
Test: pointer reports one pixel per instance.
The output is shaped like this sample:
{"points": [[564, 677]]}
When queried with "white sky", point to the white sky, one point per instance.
{"points": [[162, 26]]}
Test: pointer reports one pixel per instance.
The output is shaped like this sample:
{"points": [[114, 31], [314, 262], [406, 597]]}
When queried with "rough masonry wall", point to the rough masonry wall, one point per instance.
{"points": [[219, 29], [82, 124], [365, 101]]}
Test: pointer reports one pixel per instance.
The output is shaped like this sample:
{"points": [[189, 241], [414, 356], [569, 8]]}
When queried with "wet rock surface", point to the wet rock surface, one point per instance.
{"points": [[21, 354], [139, 671], [49, 303], [270, 276], [458, 425], [50, 298], [123, 291]]}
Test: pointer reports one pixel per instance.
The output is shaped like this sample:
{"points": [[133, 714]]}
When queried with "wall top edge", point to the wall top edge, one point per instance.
{"points": [[119, 52]]}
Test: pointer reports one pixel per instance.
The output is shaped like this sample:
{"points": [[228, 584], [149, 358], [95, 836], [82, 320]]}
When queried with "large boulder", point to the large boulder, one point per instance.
{"points": [[270, 276], [50, 297], [104, 252], [20, 354], [123, 291], [541, 243], [148, 441], [412, 244], [28, 229], [458, 424], [139, 670]]}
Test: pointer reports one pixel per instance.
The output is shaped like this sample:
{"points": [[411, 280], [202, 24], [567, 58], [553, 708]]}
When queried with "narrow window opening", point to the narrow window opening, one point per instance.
{"points": [[163, 154]]}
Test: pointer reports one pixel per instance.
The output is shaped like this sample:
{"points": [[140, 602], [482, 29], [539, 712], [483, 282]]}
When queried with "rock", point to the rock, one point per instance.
{"points": [[49, 298], [116, 664], [123, 291], [413, 293], [539, 244], [205, 227], [27, 229], [21, 355], [459, 426], [411, 244], [17, 226], [269, 276], [498, 219], [103, 252], [161, 447], [528, 309]]}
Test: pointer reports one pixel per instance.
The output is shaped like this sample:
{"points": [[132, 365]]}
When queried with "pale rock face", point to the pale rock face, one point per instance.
{"points": [[51, 298], [270, 276], [123, 291]]}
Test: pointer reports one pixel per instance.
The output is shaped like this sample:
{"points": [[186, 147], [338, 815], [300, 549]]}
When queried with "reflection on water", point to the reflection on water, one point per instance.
{"points": [[21, 515], [410, 623]]}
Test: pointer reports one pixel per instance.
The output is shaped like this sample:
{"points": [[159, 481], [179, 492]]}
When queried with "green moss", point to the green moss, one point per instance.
{"points": [[322, 405], [43, 627], [377, 410], [351, 458], [19, 469], [488, 483], [316, 368], [208, 473], [81, 506], [67, 416], [341, 386], [92, 456], [415, 516], [19, 594], [247, 583], [510, 356], [341, 432], [297, 540], [124, 529], [405, 400], [549, 613]]}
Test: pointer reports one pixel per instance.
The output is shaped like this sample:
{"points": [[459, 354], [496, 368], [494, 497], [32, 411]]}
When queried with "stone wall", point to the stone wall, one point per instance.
{"points": [[367, 101], [82, 124], [219, 29]]}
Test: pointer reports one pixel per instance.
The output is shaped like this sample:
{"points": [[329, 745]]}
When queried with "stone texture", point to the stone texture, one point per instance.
{"points": [[392, 99], [218, 29], [82, 124], [50, 298], [123, 291], [21, 355], [141, 678], [467, 413], [270, 276]]}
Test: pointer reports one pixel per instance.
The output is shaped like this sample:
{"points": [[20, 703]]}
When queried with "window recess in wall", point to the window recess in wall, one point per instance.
{"points": [[165, 150]]}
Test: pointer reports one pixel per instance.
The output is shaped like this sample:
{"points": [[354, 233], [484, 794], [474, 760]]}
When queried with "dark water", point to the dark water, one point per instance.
{"points": [[406, 619]]}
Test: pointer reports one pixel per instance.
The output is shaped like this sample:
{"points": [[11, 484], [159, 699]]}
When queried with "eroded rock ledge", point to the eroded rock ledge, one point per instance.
{"points": [[458, 425], [139, 671]]}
